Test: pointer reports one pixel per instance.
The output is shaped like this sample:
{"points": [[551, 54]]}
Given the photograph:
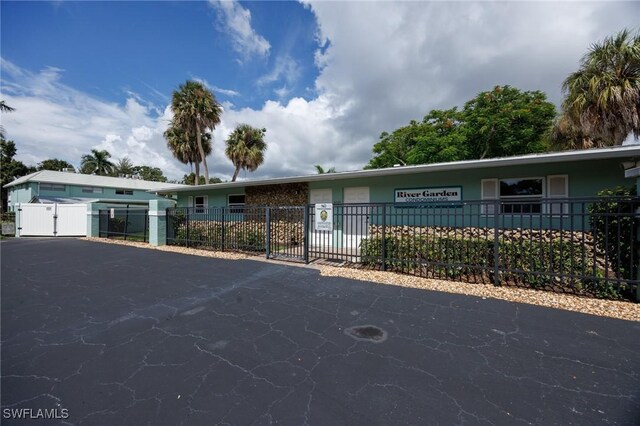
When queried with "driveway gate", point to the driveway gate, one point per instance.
{"points": [[52, 220]]}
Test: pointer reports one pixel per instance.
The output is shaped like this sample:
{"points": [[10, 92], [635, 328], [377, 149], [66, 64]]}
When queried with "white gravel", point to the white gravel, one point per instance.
{"points": [[615, 309]]}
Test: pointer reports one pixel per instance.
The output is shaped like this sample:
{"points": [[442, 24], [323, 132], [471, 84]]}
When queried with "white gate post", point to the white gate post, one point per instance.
{"points": [[158, 221], [93, 220]]}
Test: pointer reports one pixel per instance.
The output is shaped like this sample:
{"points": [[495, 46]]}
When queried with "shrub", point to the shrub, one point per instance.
{"points": [[555, 264], [615, 229]]}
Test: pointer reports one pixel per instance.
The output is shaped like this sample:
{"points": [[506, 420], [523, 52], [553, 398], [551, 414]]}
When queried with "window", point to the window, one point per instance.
{"points": [[236, 203], [52, 187], [91, 190], [121, 191], [558, 187], [200, 203], [526, 194]]}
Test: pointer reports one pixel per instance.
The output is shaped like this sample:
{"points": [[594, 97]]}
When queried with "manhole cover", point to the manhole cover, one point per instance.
{"points": [[369, 333]]}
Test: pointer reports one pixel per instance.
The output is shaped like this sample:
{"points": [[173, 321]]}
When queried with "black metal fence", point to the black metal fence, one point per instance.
{"points": [[585, 246], [130, 224]]}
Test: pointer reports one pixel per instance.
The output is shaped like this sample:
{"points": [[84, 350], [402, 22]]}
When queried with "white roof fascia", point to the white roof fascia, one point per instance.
{"points": [[67, 178], [554, 157]]}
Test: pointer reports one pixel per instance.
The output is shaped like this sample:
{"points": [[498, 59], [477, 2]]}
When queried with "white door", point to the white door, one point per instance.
{"points": [[37, 220], [320, 239], [72, 220], [356, 218]]}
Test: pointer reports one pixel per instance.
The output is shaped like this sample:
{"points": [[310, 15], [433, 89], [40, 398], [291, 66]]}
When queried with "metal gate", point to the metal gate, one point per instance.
{"points": [[52, 220]]}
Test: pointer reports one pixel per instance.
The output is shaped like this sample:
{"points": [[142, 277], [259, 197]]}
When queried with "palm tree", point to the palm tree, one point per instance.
{"points": [[4, 108], [603, 96], [97, 163], [245, 148], [124, 167], [196, 110], [322, 171], [185, 148]]}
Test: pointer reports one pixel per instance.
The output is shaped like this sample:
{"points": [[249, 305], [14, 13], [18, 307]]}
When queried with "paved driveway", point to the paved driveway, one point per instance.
{"points": [[119, 335]]}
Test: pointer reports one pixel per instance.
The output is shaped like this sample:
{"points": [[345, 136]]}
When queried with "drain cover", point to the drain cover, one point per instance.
{"points": [[368, 333]]}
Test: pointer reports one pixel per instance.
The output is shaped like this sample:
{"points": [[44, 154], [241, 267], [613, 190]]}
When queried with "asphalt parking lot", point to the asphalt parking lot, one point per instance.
{"points": [[120, 335]]}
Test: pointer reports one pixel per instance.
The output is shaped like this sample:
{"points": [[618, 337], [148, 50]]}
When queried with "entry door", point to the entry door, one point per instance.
{"points": [[320, 239], [37, 220], [356, 217]]}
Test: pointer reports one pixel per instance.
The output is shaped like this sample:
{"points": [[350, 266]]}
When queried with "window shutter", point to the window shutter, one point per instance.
{"points": [[489, 191], [558, 187]]}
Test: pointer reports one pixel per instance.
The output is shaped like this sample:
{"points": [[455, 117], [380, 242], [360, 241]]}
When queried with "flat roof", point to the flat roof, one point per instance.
{"points": [[550, 157], [69, 178]]}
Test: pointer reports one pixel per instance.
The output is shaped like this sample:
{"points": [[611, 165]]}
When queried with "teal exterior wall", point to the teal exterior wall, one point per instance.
{"points": [[21, 194], [215, 198], [25, 192], [586, 178]]}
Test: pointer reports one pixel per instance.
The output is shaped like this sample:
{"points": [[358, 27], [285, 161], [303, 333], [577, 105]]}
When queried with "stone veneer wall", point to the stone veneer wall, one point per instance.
{"points": [[289, 194]]}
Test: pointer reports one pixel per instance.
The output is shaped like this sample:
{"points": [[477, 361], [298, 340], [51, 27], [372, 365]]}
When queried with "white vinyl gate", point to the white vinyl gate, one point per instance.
{"points": [[53, 220]]}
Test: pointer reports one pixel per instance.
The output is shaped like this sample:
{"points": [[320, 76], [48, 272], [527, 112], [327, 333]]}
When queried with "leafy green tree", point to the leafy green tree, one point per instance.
{"points": [[184, 147], [153, 174], [505, 121], [245, 148], [603, 97], [322, 171], [196, 110], [97, 163], [436, 139], [54, 164], [11, 168]]}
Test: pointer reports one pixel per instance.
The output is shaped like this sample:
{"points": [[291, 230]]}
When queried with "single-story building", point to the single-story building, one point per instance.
{"points": [[557, 174], [52, 203]]}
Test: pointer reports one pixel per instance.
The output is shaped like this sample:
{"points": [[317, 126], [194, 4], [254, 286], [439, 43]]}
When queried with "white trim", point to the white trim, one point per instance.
{"points": [[157, 213], [530, 159]]}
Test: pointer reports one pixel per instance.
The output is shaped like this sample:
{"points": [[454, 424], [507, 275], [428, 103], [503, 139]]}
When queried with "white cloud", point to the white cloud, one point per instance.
{"points": [[381, 65], [235, 20], [216, 89], [53, 120]]}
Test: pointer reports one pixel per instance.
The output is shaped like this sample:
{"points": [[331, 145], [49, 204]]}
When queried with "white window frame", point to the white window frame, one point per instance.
{"points": [[61, 187], [520, 197], [236, 207], [200, 208], [91, 190]]}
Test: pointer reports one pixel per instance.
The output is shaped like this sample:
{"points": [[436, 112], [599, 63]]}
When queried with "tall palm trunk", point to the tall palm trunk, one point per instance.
{"points": [[202, 156], [197, 173], [235, 173]]}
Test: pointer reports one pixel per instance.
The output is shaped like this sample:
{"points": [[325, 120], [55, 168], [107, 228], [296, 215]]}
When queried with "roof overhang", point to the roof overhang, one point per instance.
{"points": [[628, 151]]}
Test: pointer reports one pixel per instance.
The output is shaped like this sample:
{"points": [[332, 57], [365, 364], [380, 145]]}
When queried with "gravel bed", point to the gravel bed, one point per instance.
{"points": [[607, 308]]}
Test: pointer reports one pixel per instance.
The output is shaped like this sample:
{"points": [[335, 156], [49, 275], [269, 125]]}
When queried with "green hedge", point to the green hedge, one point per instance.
{"points": [[548, 265], [205, 235]]}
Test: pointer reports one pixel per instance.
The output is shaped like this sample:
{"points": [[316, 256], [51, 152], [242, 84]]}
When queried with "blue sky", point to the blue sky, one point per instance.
{"points": [[324, 78]]}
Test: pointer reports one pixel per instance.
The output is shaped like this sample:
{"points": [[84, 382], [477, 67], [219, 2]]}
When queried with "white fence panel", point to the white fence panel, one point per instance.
{"points": [[72, 220], [37, 220]]}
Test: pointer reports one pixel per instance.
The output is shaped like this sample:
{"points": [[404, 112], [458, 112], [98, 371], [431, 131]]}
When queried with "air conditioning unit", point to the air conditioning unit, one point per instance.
{"points": [[69, 170]]}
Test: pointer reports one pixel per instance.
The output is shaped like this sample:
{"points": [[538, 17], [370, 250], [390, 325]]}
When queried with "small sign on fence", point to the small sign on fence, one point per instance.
{"points": [[324, 217], [112, 213]]}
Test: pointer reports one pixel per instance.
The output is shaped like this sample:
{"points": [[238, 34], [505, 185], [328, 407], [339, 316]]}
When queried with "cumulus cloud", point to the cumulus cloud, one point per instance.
{"points": [[381, 64], [235, 20]]}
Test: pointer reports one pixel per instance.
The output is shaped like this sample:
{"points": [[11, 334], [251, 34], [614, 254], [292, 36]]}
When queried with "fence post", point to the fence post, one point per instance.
{"points": [[126, 222], [157, 218], [384, 237], [93, 220], [222, 228], [496, 246], [268, 227], [305, 235]]}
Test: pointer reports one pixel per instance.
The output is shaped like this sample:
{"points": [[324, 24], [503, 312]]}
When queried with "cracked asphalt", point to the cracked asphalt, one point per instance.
{"points": [[120, 335]]}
